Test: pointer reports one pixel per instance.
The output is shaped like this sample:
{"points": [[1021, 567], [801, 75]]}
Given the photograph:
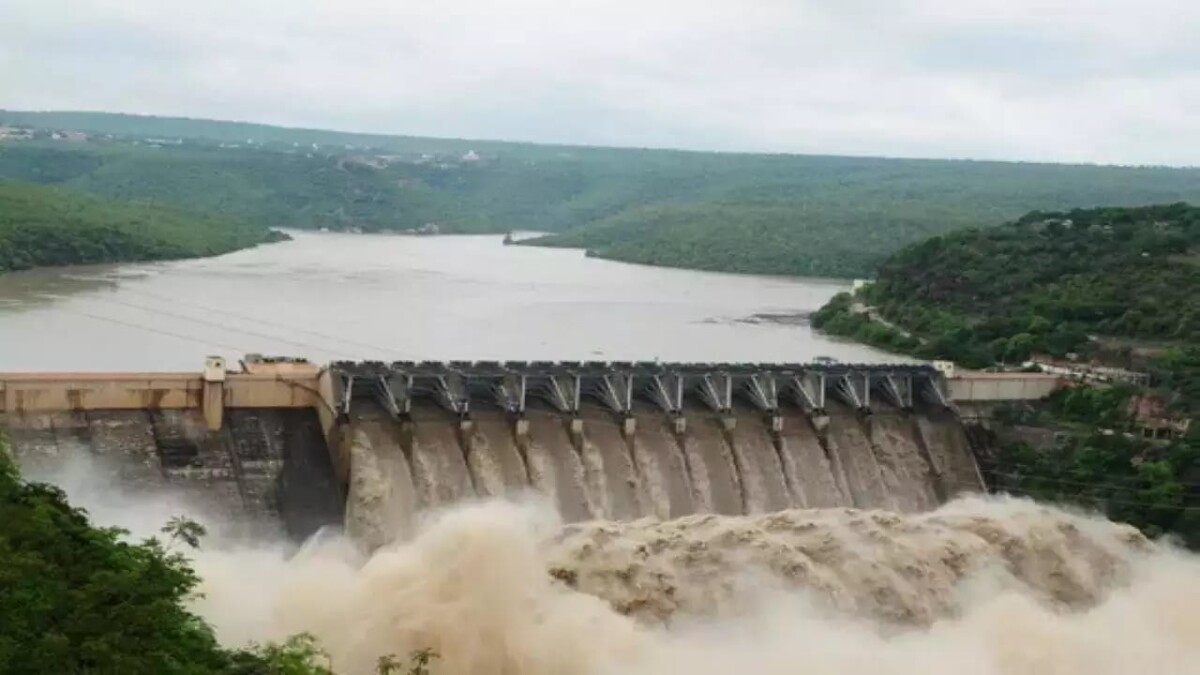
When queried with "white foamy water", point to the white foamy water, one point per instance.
{"points": [[978, 587]]}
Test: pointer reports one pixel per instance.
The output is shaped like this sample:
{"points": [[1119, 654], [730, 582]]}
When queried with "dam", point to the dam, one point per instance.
{"points": [[285, 446]]}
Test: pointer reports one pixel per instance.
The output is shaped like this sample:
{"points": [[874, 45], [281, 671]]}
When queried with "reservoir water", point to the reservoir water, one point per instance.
{"points": [[333, 296]]}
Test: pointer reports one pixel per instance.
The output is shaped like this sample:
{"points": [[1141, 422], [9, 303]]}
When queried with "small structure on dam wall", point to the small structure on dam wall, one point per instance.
{"points": [[286, 444]]}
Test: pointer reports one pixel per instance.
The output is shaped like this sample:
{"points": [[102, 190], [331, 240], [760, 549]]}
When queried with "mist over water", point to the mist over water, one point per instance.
{"points": [[984, 586]]}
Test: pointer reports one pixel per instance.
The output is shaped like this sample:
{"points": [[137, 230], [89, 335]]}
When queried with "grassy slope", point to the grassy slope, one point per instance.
{"points": [[54, 226]]}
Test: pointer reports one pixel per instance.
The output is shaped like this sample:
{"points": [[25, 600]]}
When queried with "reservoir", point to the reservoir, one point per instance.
{"points": [[333, 296]]}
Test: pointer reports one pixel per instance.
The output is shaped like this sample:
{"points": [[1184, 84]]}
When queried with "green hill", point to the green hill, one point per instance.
{"points": [[54, 226], [1046, 283], [780, 214], [270, 188]]}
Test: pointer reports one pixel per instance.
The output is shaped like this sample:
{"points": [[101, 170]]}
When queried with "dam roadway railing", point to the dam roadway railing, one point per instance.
{"points": [[458, 385], [511, 385]]}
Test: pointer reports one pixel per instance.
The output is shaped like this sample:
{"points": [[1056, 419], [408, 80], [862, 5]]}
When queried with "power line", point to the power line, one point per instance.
{"points": [[264, 322], [184, 317], [198, 341], [1059, 481], [1109, 500], [1037, 472], [149, 329]]}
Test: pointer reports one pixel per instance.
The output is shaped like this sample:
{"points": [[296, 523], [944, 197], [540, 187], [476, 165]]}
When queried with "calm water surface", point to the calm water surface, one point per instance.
{"points": [[332, 296]]}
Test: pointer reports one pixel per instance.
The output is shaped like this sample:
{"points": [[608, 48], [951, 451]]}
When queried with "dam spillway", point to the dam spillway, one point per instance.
{"points": [[374, 445]]}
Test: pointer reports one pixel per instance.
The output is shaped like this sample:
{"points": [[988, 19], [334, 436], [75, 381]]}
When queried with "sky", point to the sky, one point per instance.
{"points": [[1107, 81]]}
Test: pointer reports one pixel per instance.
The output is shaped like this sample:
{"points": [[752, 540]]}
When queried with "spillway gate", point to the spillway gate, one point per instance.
{"points": [[511, 385]]}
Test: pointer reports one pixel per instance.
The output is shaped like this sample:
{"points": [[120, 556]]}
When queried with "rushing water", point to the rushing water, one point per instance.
{"points": [[978, 587], [330, 296]]}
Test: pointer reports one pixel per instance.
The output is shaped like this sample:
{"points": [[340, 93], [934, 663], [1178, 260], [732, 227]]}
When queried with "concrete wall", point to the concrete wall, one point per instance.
{"points": [[245, 390], [1000, 386], [49, 392]]}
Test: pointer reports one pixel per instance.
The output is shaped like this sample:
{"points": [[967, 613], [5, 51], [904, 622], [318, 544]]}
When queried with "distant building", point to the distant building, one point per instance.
{"points": [[1154, 420]]}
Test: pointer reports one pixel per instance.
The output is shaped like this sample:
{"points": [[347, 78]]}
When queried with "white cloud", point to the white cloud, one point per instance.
{"points": [[1085, 80]]}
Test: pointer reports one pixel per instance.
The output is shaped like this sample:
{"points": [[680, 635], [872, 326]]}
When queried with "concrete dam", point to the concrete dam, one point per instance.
{"points": [[288, 446]]}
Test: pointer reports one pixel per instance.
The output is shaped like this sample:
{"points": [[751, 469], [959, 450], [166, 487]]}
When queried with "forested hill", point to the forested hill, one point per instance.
{"points": [[1046, 283], [782, 214], [1120, 286], [53, 226]]}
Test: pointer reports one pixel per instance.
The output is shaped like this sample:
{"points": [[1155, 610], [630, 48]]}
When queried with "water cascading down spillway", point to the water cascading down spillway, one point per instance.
{"points": [[635, 446]]}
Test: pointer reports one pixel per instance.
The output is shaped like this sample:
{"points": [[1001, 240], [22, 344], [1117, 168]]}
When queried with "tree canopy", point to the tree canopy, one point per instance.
{"points": [[42, 225], [77, 598], [1046, 283]]}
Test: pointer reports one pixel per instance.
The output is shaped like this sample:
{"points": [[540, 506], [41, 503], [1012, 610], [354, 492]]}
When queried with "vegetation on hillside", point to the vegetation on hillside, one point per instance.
{"points": [[54, 226], [1047, 283], [77, 598], [780, 214], [267, 188], [1153, 486], [770, 239]]}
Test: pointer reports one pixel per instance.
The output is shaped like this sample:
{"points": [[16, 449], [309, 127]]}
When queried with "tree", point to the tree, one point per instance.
{"points": [[298, 655], [182, 529], [76, 598], [419, 662]]}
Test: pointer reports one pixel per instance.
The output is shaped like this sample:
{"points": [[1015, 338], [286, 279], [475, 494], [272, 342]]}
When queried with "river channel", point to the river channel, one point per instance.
{"points": [[344, 296]]}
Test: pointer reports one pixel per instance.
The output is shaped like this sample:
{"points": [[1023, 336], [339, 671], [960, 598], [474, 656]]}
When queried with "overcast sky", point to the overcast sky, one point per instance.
{"points": [[1113, 81]]}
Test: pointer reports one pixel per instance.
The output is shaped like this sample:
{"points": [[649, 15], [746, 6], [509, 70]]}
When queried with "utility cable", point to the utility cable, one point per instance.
{"points": [[264, 322], [184, 317], [1111, 500], [1037, 472], [1058, 481], [149, 329]]}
